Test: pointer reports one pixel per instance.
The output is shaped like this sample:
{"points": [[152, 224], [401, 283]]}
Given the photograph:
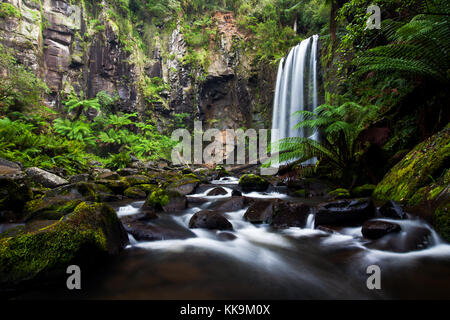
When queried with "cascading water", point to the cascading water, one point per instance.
{"points": [[295, 90]]}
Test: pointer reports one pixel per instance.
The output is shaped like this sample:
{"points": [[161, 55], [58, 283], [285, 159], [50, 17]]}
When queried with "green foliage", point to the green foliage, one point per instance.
{"points": [[79, 104], [74, 130], [418, 48], [339, 147], [7, 10], [20, 89], [32, 146], [118, 160]]}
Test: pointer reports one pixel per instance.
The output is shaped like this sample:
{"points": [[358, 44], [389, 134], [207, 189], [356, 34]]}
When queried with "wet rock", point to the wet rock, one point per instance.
{"points": [[84, 177], [89, 234], [226, 236], [117, 186], [232, 204], [261, 211], [218, 191], [45, 178], [165, 200], [378, 229], [287, 214], [142, 230], [186, 188], [208, 219], [236, 193], [411, 238], [134, 193], [392, 210], [345, 212], [9, 167], [253, 182]]}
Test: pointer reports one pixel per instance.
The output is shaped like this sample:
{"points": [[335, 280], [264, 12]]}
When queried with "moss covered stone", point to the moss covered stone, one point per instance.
{"points": [[165, 200], [417, 169], [339, 193], [117, 186], [137, 179], [92, 230], [135, 193], [363, 191], [442, 220], [253, 182], [14, 193]]}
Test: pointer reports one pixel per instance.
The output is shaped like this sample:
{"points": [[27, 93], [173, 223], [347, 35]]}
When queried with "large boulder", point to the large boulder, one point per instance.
{"points": [[61, 201], [417, 169], [289, 214], [83, 237], [185, 185], [217, 191], [165, 200], [421, 182], [141, 228], [376, 229], [253, 182], [392, 210], [208, 219], [345, 212], [8, 167], [46, 179], [14, 193], [261, 211]]}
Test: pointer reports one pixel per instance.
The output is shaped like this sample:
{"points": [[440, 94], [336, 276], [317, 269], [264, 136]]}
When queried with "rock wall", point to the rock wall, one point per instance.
{"points": [[60, 41]]}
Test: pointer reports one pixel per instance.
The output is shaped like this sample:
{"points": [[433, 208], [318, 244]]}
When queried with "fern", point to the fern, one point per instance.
{"points": [[420, 48], [339, 128]]}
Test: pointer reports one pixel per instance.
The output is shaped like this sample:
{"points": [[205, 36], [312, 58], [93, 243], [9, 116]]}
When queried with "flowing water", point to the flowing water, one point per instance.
{"points": [[258, 262], [296, 90]]}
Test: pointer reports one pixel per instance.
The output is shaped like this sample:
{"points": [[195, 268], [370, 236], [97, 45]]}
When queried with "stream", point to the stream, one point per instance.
{"points": [[257, 262]]}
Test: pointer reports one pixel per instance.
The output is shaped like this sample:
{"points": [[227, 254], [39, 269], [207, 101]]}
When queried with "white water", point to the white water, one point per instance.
{"points": [[295, 90]]}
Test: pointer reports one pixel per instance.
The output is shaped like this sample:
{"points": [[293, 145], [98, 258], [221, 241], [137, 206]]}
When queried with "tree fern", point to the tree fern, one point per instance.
{"points": [[419, 48], [339, 128]]}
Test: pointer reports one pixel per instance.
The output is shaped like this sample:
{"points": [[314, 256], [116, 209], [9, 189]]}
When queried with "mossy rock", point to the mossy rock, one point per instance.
{"points": [[49, 208], [165, 200], [363, 191], [135, 193], [92, 231], [300, 193], [117, 186], [339, 193], [417, 169], [442, 220], [253, 182], [147, 188], [184, 185], [221, 171], [138, 179]]}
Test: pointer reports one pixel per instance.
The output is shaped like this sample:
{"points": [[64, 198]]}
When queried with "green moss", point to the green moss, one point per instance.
{"points": [[300, 193], [339, 193], [160, 198], [363, 191], [117, 186], [417, 169], [442, 220], [253, 182], [55, 246], [137, 179], [135, 193], [147, 188]]}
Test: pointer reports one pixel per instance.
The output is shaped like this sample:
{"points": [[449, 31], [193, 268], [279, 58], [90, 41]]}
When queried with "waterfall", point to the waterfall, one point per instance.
{"points": [[295, 90]]}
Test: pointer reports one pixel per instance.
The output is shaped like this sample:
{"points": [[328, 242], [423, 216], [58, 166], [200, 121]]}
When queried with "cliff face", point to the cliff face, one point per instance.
{"points": [[85, 46]]}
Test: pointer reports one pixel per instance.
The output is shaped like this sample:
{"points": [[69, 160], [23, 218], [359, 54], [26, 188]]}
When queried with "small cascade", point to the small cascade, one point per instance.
{"points": [[296, 89]]}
